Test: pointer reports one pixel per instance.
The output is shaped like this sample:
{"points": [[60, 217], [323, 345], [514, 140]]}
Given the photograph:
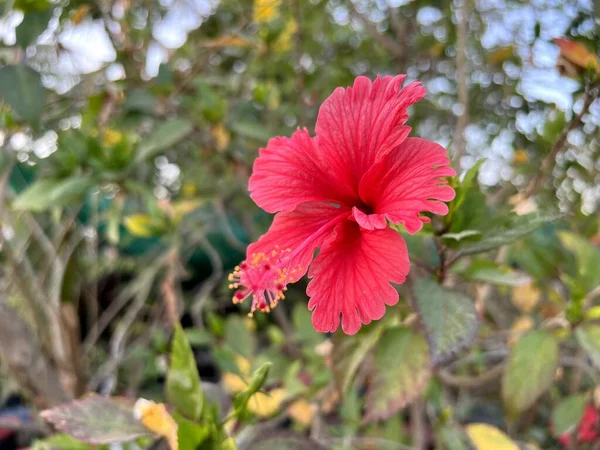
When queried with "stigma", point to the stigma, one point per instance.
{"points": [[263, 278]]}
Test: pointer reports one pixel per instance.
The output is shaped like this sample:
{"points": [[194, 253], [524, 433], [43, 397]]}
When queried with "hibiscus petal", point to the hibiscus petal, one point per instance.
{"points": [[298, 234], [351, 277], [407, 182], [289, 171], [357, 126]]}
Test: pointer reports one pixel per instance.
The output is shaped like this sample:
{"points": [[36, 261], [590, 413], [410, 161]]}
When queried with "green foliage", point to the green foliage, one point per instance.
{"points": [[165, 136], [588, 337], [183, 381], [567, 415], [529, 371], [32, 26], [449, 318], [349, 352], [61, 441], [400, 372], [516, 228], [96, 420], [256, 383], [48, 193], [490, 272], [124, 200], [21, 88]]}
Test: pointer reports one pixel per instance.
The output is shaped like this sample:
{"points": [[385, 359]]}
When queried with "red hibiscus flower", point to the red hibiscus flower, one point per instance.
{"points": [[336, 192]]}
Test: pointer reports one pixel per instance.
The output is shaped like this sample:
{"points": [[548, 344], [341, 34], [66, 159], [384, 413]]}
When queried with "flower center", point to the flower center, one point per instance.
{"points": [[264, 278], [365, 208]]}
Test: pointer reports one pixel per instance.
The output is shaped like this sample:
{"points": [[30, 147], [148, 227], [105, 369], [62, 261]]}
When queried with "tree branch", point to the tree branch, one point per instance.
{"points": [[461, 82]]}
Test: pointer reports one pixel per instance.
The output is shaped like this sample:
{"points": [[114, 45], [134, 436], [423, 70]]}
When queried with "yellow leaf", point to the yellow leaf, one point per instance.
{"points": [[228, 40], [593, 313], [183, 207], [301, 412], [284, 40], [221, 136], [188, 189], [139, 225], [578, 54], [526, 297], [519, 327], [157, 419], [233, 382], [520, 156], [111, 137], [265, 405], [266, 10], [437, 49], [487, 437], [501, 55], [79, 14], [243, 364], [228, 444]]}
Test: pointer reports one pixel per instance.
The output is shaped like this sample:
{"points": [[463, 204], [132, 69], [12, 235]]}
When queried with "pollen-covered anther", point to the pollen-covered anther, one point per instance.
{"points": [[263, 277]]}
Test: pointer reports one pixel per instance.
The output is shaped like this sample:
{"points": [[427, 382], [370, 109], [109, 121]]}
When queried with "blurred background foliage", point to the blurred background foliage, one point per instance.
{"points": [[128, 131]]}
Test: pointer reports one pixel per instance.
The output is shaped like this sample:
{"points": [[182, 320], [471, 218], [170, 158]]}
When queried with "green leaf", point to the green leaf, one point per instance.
{"points": [[586, 275], [139, 100], [520, 226], [490, 272], [34, 24], [59, 441], [449, 318], [553, 126], [46, 194], [567, 414], [239, 338], [29, 6], [190, 434], [349, 352], [452, 438], [461, 235], [305, 332], [588, 337], [251, 130], [165, 136], [256, 383], [465, 185], [97, 420], [21, 88], [183, 382], [529, 371], [400, 372], [259, 378]]}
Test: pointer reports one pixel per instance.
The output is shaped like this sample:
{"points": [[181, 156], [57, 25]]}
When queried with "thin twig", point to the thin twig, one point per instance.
{"points": [[209, 284], [107, 374], [386, 42], [417, 425], [549, 160], [471, 382], [115, 307], [461, 81]]}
